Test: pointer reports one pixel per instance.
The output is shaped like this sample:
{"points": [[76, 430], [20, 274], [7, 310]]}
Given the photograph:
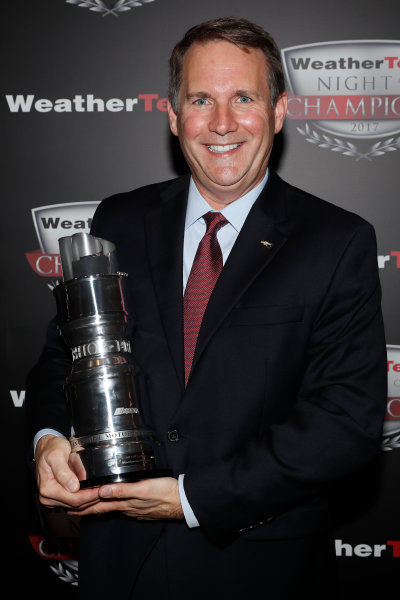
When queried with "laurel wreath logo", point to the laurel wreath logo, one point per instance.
{"points": [[391, 442], [348, 148], [52, 284], [109, 8], [69, 575]]}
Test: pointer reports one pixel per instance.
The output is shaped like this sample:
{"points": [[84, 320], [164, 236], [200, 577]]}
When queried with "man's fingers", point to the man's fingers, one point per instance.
{"points": [[148, 499], [98, 508], [141, 490], [142, 509], [65, 477], [58, 483], [53, 495], [57, 463], [72, 503]]}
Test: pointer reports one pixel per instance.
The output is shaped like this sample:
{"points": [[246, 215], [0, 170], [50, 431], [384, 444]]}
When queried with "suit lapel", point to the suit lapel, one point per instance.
{"points": [[266, 223], [165, 230]]}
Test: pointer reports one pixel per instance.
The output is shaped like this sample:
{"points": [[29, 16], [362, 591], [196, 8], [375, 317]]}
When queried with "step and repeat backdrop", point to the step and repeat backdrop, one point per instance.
{"points": [[83, 109]]}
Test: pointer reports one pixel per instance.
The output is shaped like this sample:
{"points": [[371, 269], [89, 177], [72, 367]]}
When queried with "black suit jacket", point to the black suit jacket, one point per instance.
{"points": [[287, 392]]}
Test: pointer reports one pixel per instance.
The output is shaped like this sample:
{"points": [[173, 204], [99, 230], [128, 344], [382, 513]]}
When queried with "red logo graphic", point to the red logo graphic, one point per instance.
{"points": [[391, 428]]}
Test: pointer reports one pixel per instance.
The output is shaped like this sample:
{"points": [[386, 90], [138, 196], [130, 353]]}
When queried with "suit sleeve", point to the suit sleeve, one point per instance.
{"points": [[45, 401], [334, 426]]}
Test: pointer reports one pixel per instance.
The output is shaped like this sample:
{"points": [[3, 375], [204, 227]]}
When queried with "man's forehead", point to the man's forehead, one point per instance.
{"points": [[209, 46], [220, 53]]}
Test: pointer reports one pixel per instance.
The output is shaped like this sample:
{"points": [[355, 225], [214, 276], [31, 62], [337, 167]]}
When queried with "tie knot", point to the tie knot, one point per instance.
{"points": [[214, 221]]}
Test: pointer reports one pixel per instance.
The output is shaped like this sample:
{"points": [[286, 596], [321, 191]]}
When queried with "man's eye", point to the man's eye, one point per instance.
{"points": [[201, 101], [244, 99]]}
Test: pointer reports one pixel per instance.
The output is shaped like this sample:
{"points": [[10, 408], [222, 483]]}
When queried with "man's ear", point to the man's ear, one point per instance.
{"points": [[172, 116], [280, 111]]}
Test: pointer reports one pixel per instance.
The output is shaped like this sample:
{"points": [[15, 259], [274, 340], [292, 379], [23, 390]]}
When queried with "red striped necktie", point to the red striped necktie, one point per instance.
{"points": [[206, 268]]}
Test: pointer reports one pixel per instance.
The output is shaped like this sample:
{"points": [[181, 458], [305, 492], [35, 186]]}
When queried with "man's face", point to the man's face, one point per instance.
{"points": [[225, 122]]}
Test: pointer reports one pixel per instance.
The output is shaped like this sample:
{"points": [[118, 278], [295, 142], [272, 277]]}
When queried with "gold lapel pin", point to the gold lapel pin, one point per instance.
{"points": [[266, 243]]}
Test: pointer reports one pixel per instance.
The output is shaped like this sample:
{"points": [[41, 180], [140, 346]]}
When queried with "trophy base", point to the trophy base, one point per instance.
{"points": [[121, 462], [124, 478]]}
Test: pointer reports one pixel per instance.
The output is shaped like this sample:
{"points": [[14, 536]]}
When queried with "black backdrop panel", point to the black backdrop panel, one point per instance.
{"points": [[83, 117]]}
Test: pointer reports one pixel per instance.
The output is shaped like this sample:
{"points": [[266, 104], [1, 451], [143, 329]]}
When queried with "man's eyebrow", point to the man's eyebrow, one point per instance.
{"points": [[249, 93], [236, 93], [191, 95]]}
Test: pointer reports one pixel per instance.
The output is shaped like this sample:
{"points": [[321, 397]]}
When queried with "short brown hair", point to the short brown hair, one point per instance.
{"points": [[235, 30]]}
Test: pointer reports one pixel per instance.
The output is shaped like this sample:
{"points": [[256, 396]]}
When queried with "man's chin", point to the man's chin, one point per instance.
{"points": [[223, 191]]}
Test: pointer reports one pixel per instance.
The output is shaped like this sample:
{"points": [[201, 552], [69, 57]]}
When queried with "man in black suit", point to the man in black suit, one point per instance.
{"points": [[286, 391]]}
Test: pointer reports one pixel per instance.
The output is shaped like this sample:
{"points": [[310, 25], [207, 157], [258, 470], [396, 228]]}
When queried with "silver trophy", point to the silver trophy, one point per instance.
{"points": [[110, 443]]}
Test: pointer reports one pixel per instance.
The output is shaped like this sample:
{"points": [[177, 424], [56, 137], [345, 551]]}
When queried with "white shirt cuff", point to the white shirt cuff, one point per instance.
{"points": [[187, 509], [43, 432]]}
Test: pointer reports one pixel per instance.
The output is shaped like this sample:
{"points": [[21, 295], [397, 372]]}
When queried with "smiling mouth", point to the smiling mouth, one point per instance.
{"points": [[221, 149]]}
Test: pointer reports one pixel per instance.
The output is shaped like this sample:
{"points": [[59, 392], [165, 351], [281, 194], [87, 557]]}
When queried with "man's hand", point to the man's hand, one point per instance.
{"points": [[58, 483], [149, 499], [59, 486]]}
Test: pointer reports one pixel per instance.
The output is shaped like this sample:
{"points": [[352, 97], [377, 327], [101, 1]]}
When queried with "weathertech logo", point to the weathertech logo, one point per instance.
{"points": [[88, 103], [350, 89], [51, 223], [391, 549], [392, 259]]}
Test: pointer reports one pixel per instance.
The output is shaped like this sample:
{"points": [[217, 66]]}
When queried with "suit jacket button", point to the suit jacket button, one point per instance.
{"points": [[173, 435]]}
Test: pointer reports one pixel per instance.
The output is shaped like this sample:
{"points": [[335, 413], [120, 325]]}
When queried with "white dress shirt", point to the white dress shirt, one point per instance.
{"points": [[195, 227]]}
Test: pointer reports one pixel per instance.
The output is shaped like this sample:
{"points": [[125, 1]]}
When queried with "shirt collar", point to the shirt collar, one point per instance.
{"points": [[236, 212]]}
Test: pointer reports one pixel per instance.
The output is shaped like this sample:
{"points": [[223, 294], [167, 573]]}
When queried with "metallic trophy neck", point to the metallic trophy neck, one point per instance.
{"points": [[92, 314]]}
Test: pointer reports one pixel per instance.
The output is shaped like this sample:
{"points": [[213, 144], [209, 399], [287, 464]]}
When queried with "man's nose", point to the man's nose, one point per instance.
{"points": [[222, 120]]}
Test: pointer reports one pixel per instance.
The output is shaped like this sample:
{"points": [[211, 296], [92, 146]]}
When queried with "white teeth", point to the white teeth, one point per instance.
{"points": [[226, 148]]}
